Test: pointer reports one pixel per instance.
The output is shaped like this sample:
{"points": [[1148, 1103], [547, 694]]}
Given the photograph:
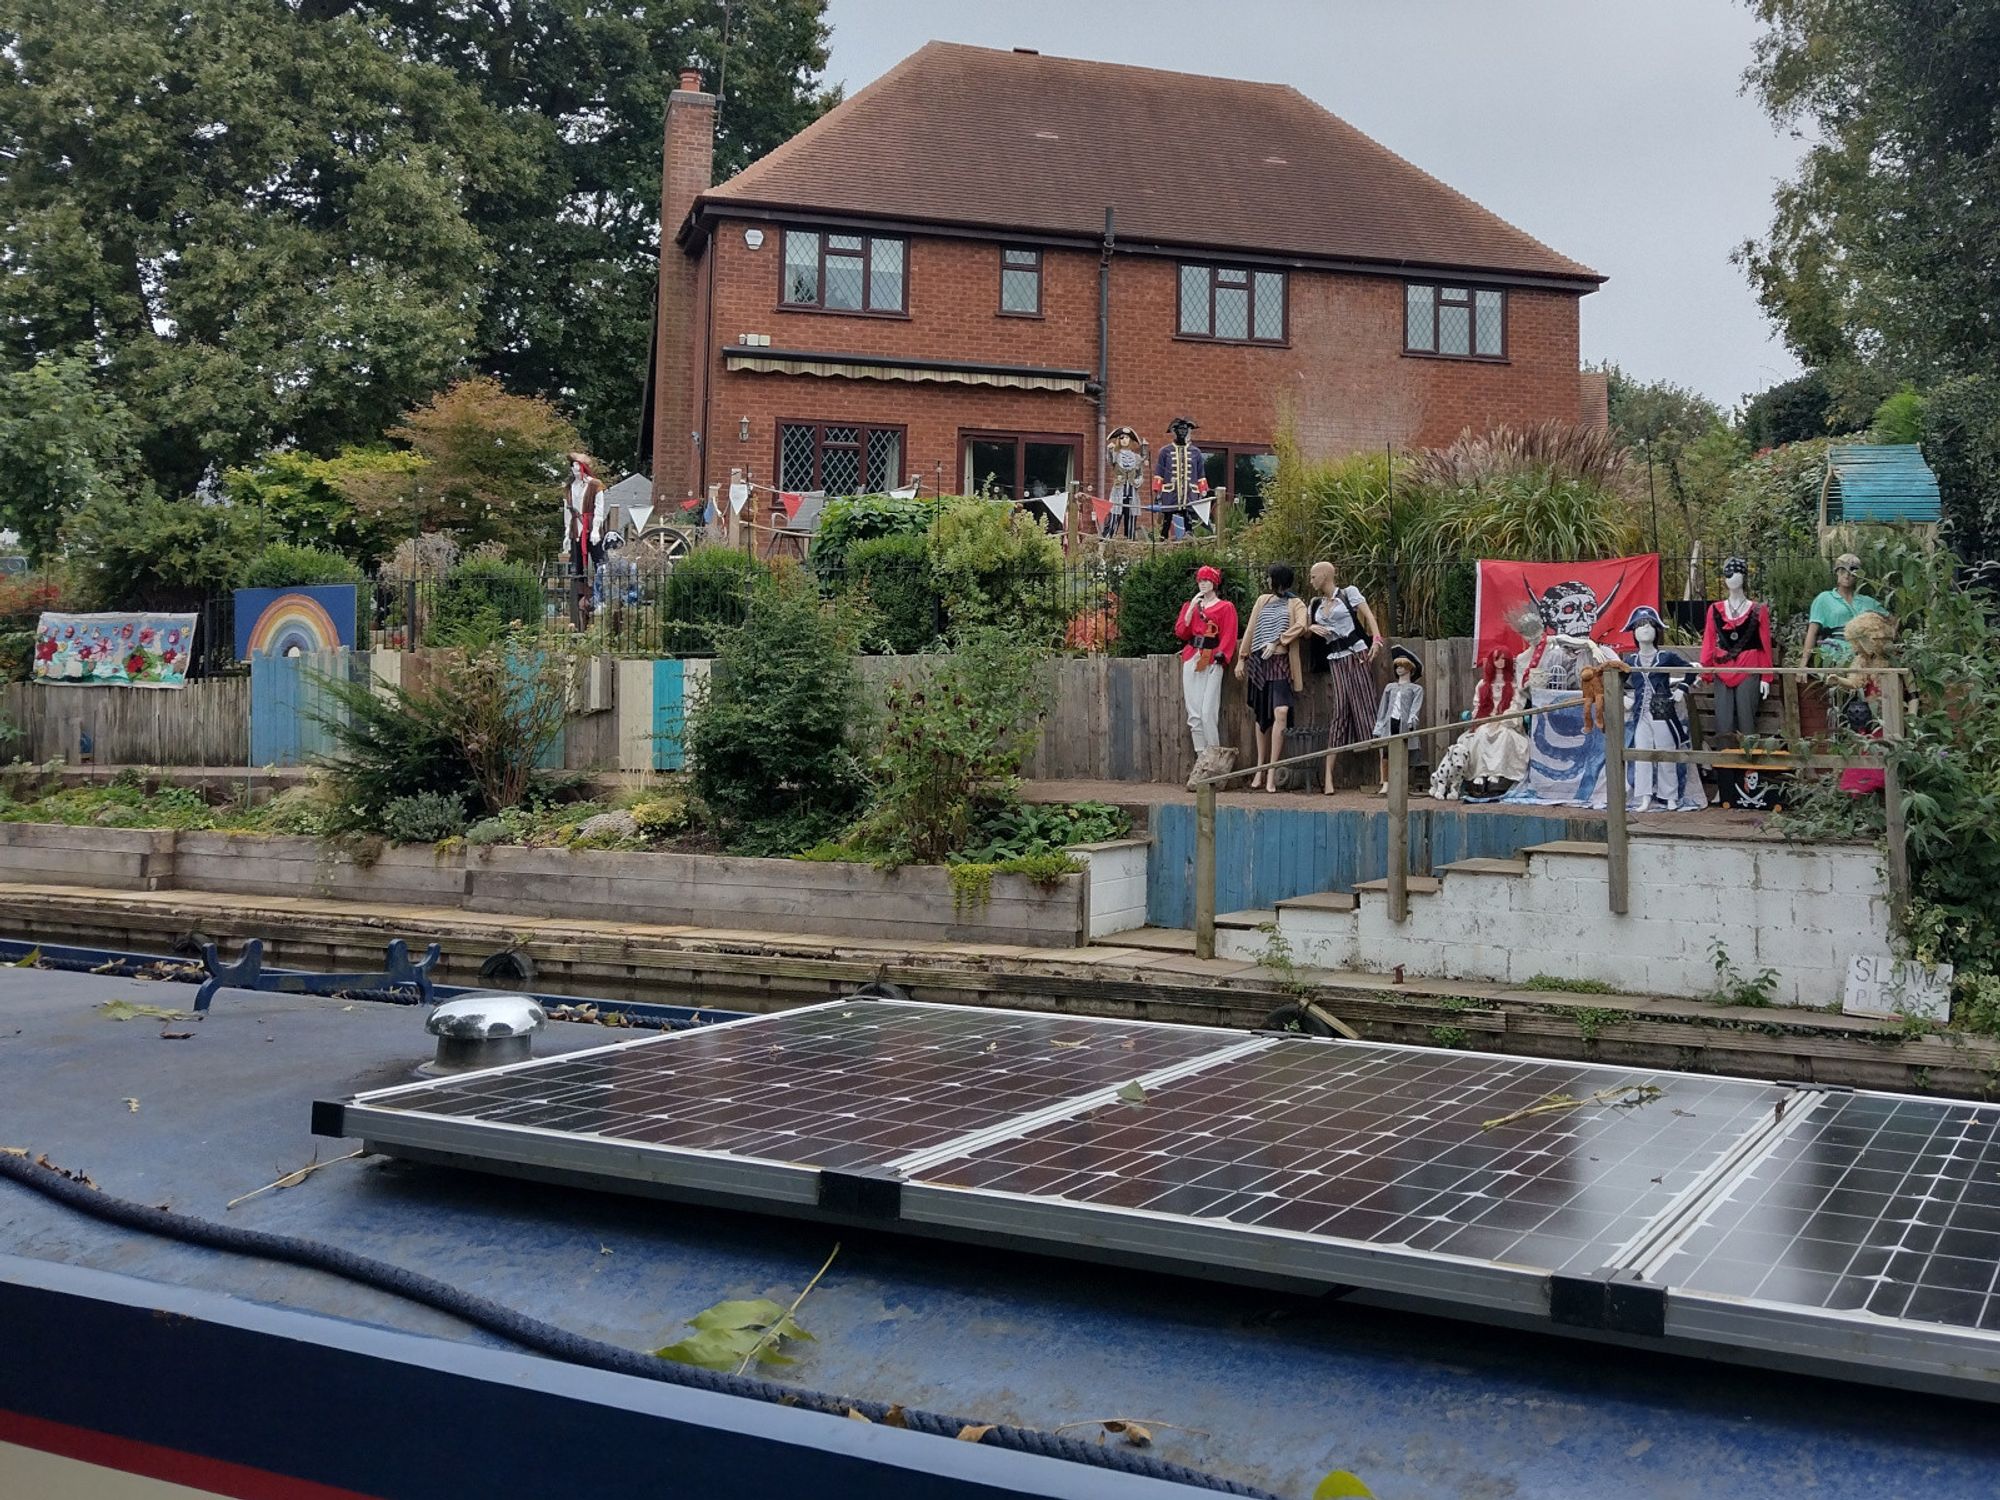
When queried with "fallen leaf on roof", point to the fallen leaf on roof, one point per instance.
{"points": [[13, 1150], [894, 1417], [175, 1036], [1341, 1485], [1133, 1093], [855, 1416], [293, 1179], [1135, 1433], [975, 1434], [131, 1010], [132, 1106], [1066, 1045], [29, 960]]}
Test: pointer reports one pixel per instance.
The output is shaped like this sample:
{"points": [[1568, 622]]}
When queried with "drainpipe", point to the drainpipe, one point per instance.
{"points": [[1104, 351]]}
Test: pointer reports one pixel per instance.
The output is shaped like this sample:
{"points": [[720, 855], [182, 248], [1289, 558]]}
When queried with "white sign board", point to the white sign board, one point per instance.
{"points": [[1878, 985]]}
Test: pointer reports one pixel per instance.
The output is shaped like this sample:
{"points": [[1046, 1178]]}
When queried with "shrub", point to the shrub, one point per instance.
{"points": [[1771, 504], [142, 552], [1153, 589], [1899, 419], [954, 740], [1961, 441], [706, 595], [995, 565], [473, 729], [423, 819], [478, 600], [892, 574], [307, 497], [772, 737], [854, 519], [282, 565], [1022, 830], [660, 817]]}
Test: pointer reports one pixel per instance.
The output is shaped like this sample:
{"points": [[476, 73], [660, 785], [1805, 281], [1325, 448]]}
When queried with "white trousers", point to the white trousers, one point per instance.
{"points": [[1653, 734], [1202, 692]]}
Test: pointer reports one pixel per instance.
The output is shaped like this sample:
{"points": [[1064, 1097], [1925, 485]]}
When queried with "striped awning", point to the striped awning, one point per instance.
{"points": [[866, 367]]}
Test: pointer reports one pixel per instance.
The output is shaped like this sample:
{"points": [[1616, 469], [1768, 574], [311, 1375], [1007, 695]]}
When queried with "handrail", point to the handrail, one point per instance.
{"points": [[1616, 756]]}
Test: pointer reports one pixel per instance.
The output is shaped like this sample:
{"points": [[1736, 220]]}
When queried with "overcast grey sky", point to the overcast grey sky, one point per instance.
{"points": [[1612, 129]]}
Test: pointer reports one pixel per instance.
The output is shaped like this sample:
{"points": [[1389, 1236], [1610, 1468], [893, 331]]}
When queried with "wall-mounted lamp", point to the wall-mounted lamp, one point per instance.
{"points": [[743, 430]]}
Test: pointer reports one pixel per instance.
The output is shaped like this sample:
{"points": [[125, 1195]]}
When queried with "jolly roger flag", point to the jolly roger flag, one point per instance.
{"points": [[1514, 600]]}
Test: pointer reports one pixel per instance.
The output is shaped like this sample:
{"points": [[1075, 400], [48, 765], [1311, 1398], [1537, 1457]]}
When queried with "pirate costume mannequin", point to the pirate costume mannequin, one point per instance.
{"points": [[1656, 719], [1345, 633], [1269, 661], [1835, 608], [1207, 623], [1402, 705], [1486, 762], [1565, 756], [1125, 451], [583, 523], [1180, 478], [1737, 634]]}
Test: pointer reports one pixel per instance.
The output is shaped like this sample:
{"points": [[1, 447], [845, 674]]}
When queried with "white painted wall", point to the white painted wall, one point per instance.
{"points": [[1117, 880], [1803, 911]]}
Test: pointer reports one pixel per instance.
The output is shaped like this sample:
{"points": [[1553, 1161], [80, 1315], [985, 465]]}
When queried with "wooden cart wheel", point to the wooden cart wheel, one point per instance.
{"points": [[660, 546]]}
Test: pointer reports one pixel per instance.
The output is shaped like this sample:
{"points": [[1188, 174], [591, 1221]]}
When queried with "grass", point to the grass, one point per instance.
{"points": [[1570, 986]]}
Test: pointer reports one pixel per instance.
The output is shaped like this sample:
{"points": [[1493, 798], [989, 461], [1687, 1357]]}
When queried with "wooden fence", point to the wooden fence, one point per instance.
{"points": [[205, 723]]}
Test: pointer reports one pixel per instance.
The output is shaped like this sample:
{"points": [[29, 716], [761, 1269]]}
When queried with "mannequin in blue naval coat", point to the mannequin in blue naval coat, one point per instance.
{"points": [[1180, 478], [1656, 719]]}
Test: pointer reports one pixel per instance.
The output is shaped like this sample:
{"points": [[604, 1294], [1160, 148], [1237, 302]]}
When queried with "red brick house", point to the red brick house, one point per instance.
{"points": [[921, 284]]}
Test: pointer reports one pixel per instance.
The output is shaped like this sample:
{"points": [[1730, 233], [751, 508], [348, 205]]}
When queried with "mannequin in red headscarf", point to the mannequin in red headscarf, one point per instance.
{"points": [[583, 524], [1488, 760], [1207, 623]]}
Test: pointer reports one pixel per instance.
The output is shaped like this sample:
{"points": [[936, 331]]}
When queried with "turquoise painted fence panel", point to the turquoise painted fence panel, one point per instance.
{"points": [[289, 699], [1265, 854], [669, 716]]}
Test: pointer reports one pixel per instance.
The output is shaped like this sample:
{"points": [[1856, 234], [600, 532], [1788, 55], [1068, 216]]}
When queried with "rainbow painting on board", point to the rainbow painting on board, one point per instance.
{"points": [[294, 621]]}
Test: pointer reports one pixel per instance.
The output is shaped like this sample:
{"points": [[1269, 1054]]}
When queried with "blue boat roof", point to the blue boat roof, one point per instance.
{"points": [[1269, 1389], [1887, 482]]}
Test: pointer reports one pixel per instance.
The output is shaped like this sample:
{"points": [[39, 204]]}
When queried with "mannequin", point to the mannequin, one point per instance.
{"points": [[1737, 634], [1656, 719], [1496, 754], [1868, 637], [1126, 452], [1269, 662], [1402, 706], [583, 524], [1179, 479], [1207, 623], [1834, 608], [1565, 757], [1346, 636]]}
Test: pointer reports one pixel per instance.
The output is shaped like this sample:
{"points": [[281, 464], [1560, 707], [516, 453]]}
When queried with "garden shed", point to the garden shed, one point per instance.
{"points": [[1884, 484]]}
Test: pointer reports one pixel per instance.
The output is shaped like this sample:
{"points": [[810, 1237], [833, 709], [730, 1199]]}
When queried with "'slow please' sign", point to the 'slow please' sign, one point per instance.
{"points": [[1878, 985]]}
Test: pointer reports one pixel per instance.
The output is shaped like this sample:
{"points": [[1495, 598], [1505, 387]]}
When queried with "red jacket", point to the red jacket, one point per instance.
{"points": [[1196, 624], [1757, 653]]}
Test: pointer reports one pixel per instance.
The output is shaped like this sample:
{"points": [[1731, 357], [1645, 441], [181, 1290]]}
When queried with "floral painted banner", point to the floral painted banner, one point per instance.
{"points": [[114, 650]]}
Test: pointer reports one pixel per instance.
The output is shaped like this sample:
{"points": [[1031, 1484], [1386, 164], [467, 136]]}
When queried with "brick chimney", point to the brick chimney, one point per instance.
{"points": [[687, 171]]}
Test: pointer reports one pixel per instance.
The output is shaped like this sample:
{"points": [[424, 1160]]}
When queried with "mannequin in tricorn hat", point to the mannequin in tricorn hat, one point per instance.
{"points": [[1125, 455], [1179, 479]]}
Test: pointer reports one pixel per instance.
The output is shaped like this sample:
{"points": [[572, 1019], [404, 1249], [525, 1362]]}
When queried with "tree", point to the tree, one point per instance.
{"points": [[573, 241], [1682, 438], [258, 225], [63, 443], [144, 552], [489, 467], [1885, 249], [1793, 411], [308, 499]]}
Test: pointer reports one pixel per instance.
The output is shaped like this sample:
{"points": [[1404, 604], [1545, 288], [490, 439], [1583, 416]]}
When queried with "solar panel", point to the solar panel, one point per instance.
{"points": [[1852, 1231]]}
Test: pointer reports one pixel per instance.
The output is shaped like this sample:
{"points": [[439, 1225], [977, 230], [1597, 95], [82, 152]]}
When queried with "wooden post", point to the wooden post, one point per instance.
{"points": [[1218, 510], [1616, 848], [1890, 686], [1399, 829], [1204, 870]]}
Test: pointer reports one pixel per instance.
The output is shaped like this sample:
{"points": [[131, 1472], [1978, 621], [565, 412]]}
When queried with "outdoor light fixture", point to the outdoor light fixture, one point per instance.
{"points": [[743, 431]]}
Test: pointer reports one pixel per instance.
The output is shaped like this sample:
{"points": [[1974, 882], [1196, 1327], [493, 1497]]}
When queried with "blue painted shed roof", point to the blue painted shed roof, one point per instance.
{"points": [[1879, 482]]}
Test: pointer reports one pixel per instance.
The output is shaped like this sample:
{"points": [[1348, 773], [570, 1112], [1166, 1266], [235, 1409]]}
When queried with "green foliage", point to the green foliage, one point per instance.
{"points": [[1570, 986], [892, 574], [972, 880], [267, 237], [730, 1335], [139, 551], [1899, 419], [995, 565], [706, 596], [479, 601], [472, 730], [1014, 830], [64, 442], [282, 565], [492, 469], [1152, 590], [1733, 986], [423, 819], [1771, 503], [1961, 442], [309, 499], [1685, 447], [953, 742], [849, 520], [1882, 247], [661, 817], [772, 740], [125, 803], [1794, 411]]}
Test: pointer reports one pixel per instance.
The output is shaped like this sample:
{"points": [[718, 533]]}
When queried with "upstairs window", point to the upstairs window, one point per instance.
{"points": [[1455, 322], [844, 272], [1232, 304], [1021, 283]]}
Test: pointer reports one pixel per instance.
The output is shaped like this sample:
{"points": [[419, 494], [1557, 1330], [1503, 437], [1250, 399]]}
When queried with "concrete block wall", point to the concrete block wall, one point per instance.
{"points": [[1117, 884], [1802, 911]]}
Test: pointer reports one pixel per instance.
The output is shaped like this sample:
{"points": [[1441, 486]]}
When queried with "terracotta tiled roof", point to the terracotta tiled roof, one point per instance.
{"points": [[977, 137]]}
